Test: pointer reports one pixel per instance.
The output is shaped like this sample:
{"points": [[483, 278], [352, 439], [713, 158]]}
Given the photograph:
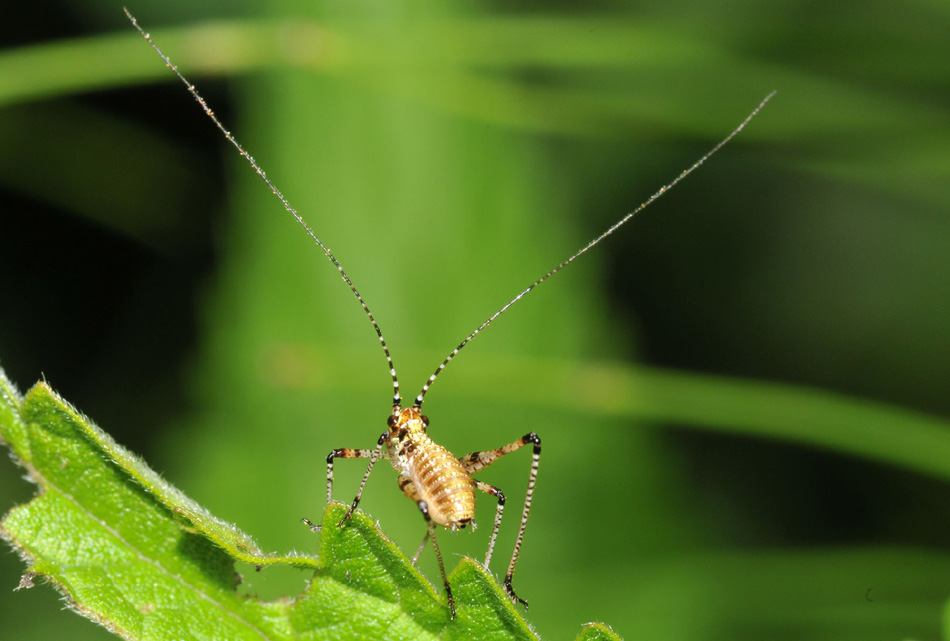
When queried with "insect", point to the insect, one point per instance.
{"points": [[442, 486]]}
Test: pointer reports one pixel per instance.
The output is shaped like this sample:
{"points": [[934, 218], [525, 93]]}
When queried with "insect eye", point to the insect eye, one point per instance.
{"points": [[425, 421], [391, 421]]}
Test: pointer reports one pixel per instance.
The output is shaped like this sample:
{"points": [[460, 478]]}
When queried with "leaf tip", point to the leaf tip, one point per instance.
{"points": [[26, 581], [596, 631]]}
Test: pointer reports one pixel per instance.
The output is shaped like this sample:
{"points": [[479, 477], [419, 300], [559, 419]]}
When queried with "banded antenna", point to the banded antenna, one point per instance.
{"points": [[586, 248], [397, 399]]}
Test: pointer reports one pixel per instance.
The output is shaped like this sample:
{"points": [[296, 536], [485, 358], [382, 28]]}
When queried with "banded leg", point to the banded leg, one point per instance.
{"points": [[494, 491], [430, 534], [422, 546], [372, 455], [480, 460]]}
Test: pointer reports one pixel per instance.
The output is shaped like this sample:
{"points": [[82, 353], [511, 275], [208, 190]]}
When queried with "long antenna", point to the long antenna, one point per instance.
{"points": [[585, 249], [397, 399]]}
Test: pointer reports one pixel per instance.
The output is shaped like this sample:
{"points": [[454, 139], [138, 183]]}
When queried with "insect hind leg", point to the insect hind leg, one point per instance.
{"points": [[422, 546], [480, 460], [494, 491], [409, 489], [430, 535]]}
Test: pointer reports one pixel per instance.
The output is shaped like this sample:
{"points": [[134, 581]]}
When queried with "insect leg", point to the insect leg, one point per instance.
{"points": [[372, 455], [422, 546], [479, 460], [494, 491], [430, 534]]}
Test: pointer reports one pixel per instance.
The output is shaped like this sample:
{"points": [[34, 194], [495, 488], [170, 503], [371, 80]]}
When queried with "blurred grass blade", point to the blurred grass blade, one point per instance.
{"points": [[461, 67], [868, 429], [117, 60]]}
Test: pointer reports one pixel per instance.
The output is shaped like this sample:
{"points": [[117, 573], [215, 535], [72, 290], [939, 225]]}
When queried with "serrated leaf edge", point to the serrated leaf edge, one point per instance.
{"points": [[229, 537]]}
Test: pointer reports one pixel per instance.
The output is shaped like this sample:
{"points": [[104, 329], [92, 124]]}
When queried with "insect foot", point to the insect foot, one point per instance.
{"points": [[313, 528], [511, 593]]}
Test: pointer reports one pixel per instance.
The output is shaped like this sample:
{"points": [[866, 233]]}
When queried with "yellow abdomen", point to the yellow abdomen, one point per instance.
{"points": [[429, 472]]}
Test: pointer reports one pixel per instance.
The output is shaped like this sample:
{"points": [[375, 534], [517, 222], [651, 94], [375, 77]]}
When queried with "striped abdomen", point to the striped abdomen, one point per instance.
{"points": [[441, 482], [430, 473]]}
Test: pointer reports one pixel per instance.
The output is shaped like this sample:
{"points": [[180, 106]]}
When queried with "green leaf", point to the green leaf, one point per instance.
{"points": [[134, 554], [597, 632]]}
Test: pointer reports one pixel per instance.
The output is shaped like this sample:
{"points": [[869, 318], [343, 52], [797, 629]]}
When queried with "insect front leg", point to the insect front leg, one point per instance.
{"points": [[479, 460], [372, 455]]}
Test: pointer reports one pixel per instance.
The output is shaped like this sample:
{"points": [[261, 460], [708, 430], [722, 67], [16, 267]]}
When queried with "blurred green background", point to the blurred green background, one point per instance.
{"points": [[742, 396]]}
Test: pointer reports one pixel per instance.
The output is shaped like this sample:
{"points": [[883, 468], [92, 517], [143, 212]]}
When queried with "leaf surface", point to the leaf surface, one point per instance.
{"points": [[134, 554]]}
